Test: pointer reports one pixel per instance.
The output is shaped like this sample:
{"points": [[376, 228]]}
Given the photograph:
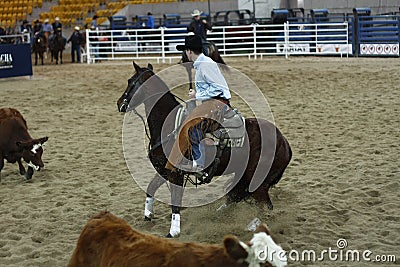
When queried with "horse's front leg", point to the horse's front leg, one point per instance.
{"points": [[176, 187], [153, 186]]}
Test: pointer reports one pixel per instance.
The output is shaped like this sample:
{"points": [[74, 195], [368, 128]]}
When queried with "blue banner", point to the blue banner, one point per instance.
{"points": [[15, 60]]}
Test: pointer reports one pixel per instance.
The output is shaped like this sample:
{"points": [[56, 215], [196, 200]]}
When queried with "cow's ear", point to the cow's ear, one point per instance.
{"points": [[234, 249], [149, 66], [262, 228], [43, 139]]}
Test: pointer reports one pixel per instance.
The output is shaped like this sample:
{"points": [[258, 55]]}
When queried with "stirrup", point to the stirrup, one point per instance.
{"points": [[191, 167], [203, 177]]}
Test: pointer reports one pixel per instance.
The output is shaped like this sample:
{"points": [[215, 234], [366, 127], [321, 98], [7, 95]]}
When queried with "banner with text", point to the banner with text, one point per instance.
{"points": [[15, 60]]}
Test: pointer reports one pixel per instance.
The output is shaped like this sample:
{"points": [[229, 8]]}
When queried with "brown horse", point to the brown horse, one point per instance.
{"points": [[268, 154], [57, 45], [39, 47]]}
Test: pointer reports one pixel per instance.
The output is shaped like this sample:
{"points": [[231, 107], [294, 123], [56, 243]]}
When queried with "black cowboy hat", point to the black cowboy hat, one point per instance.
{"points": [[191, 42]]}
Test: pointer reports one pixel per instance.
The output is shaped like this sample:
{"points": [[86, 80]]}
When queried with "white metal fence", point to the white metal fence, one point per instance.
{"points": [[246, 40], [19, 38]]}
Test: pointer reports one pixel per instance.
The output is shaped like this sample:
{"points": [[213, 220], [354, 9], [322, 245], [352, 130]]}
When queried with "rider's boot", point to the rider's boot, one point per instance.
{"points": [[149, 208]]}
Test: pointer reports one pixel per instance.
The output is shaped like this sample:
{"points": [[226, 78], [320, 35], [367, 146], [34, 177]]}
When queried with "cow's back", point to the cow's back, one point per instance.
{"points": [[7, 113], [12, 127]]}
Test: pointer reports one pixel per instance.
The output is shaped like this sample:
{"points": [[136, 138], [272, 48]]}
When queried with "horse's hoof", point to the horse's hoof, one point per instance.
{"points": [[148, 219], [170, 236], [270, 206]]}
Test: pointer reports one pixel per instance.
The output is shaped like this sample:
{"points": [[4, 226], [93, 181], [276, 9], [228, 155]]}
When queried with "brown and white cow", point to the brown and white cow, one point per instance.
{"points": [[17, 144], [107, 240]]}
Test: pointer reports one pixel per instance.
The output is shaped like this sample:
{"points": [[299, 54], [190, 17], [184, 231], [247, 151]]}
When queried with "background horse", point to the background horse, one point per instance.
{"points": [[160, 104], [57, 45], [39, 47]]}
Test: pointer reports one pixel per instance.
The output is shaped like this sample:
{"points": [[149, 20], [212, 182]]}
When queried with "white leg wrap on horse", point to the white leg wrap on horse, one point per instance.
{"points": [[149, 207], [175, 229]]}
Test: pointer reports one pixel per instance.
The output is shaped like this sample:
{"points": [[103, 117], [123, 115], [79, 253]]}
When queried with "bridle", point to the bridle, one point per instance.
{"points": [[125, 102], [136, 83], [133, 86]]}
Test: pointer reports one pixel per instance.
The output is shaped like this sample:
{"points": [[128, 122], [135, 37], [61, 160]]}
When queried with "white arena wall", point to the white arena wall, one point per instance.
{"points": [[344, 6], [263, 7]]}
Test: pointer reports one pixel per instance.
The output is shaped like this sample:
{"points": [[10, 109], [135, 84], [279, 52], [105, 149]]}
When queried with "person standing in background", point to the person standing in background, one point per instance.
{"points": [[25, 28], [94, 43], [76, 40], [94, 22], [150, 21]]}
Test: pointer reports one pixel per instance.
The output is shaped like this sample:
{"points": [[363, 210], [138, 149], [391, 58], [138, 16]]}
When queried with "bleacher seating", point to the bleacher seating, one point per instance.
{"points": [[70, 12], [12, 11], [73, 12]]}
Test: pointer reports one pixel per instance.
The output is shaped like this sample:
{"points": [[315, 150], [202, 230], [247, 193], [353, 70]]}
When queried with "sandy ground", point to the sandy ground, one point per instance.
{"points": [[341, 117]]}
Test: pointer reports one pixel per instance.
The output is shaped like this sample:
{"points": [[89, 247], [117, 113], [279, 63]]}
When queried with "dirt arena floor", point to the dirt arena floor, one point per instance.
{"points": [[340, 115]]}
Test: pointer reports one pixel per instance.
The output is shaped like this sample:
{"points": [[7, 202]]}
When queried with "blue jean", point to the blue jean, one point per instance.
{"points": [[77, 49], [198, 147]]}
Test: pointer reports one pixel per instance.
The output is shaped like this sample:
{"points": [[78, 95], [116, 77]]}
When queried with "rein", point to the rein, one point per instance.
{"points": [[160, 142]]}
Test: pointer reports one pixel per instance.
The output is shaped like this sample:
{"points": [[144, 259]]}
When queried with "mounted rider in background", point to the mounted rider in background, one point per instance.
{"points": [[57, 29], [200, 27]]}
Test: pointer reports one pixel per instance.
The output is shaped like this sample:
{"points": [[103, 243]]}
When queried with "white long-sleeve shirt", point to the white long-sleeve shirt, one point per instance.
{"points": [[209, 80]]}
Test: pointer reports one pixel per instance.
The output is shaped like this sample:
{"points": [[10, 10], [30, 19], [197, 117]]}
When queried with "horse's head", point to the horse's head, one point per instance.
{"points": [[141, 75], [39, 40]]}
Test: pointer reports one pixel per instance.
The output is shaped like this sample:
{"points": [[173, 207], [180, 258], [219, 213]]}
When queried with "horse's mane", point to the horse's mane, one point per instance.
{"points": [[157, 90]]}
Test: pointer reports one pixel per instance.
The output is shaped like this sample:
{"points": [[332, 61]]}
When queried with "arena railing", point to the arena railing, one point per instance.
{"points": [[244, 40]]}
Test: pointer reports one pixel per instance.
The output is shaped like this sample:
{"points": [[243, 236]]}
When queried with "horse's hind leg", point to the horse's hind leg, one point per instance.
{"points": [[261, 196], [153, 186]]}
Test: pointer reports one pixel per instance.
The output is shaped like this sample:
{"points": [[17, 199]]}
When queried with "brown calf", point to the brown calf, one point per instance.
{"points": [[17, 144], [107, 240]]}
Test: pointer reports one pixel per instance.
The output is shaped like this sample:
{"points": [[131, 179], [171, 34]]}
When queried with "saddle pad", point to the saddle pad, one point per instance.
{"points": [[181, 115]]}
